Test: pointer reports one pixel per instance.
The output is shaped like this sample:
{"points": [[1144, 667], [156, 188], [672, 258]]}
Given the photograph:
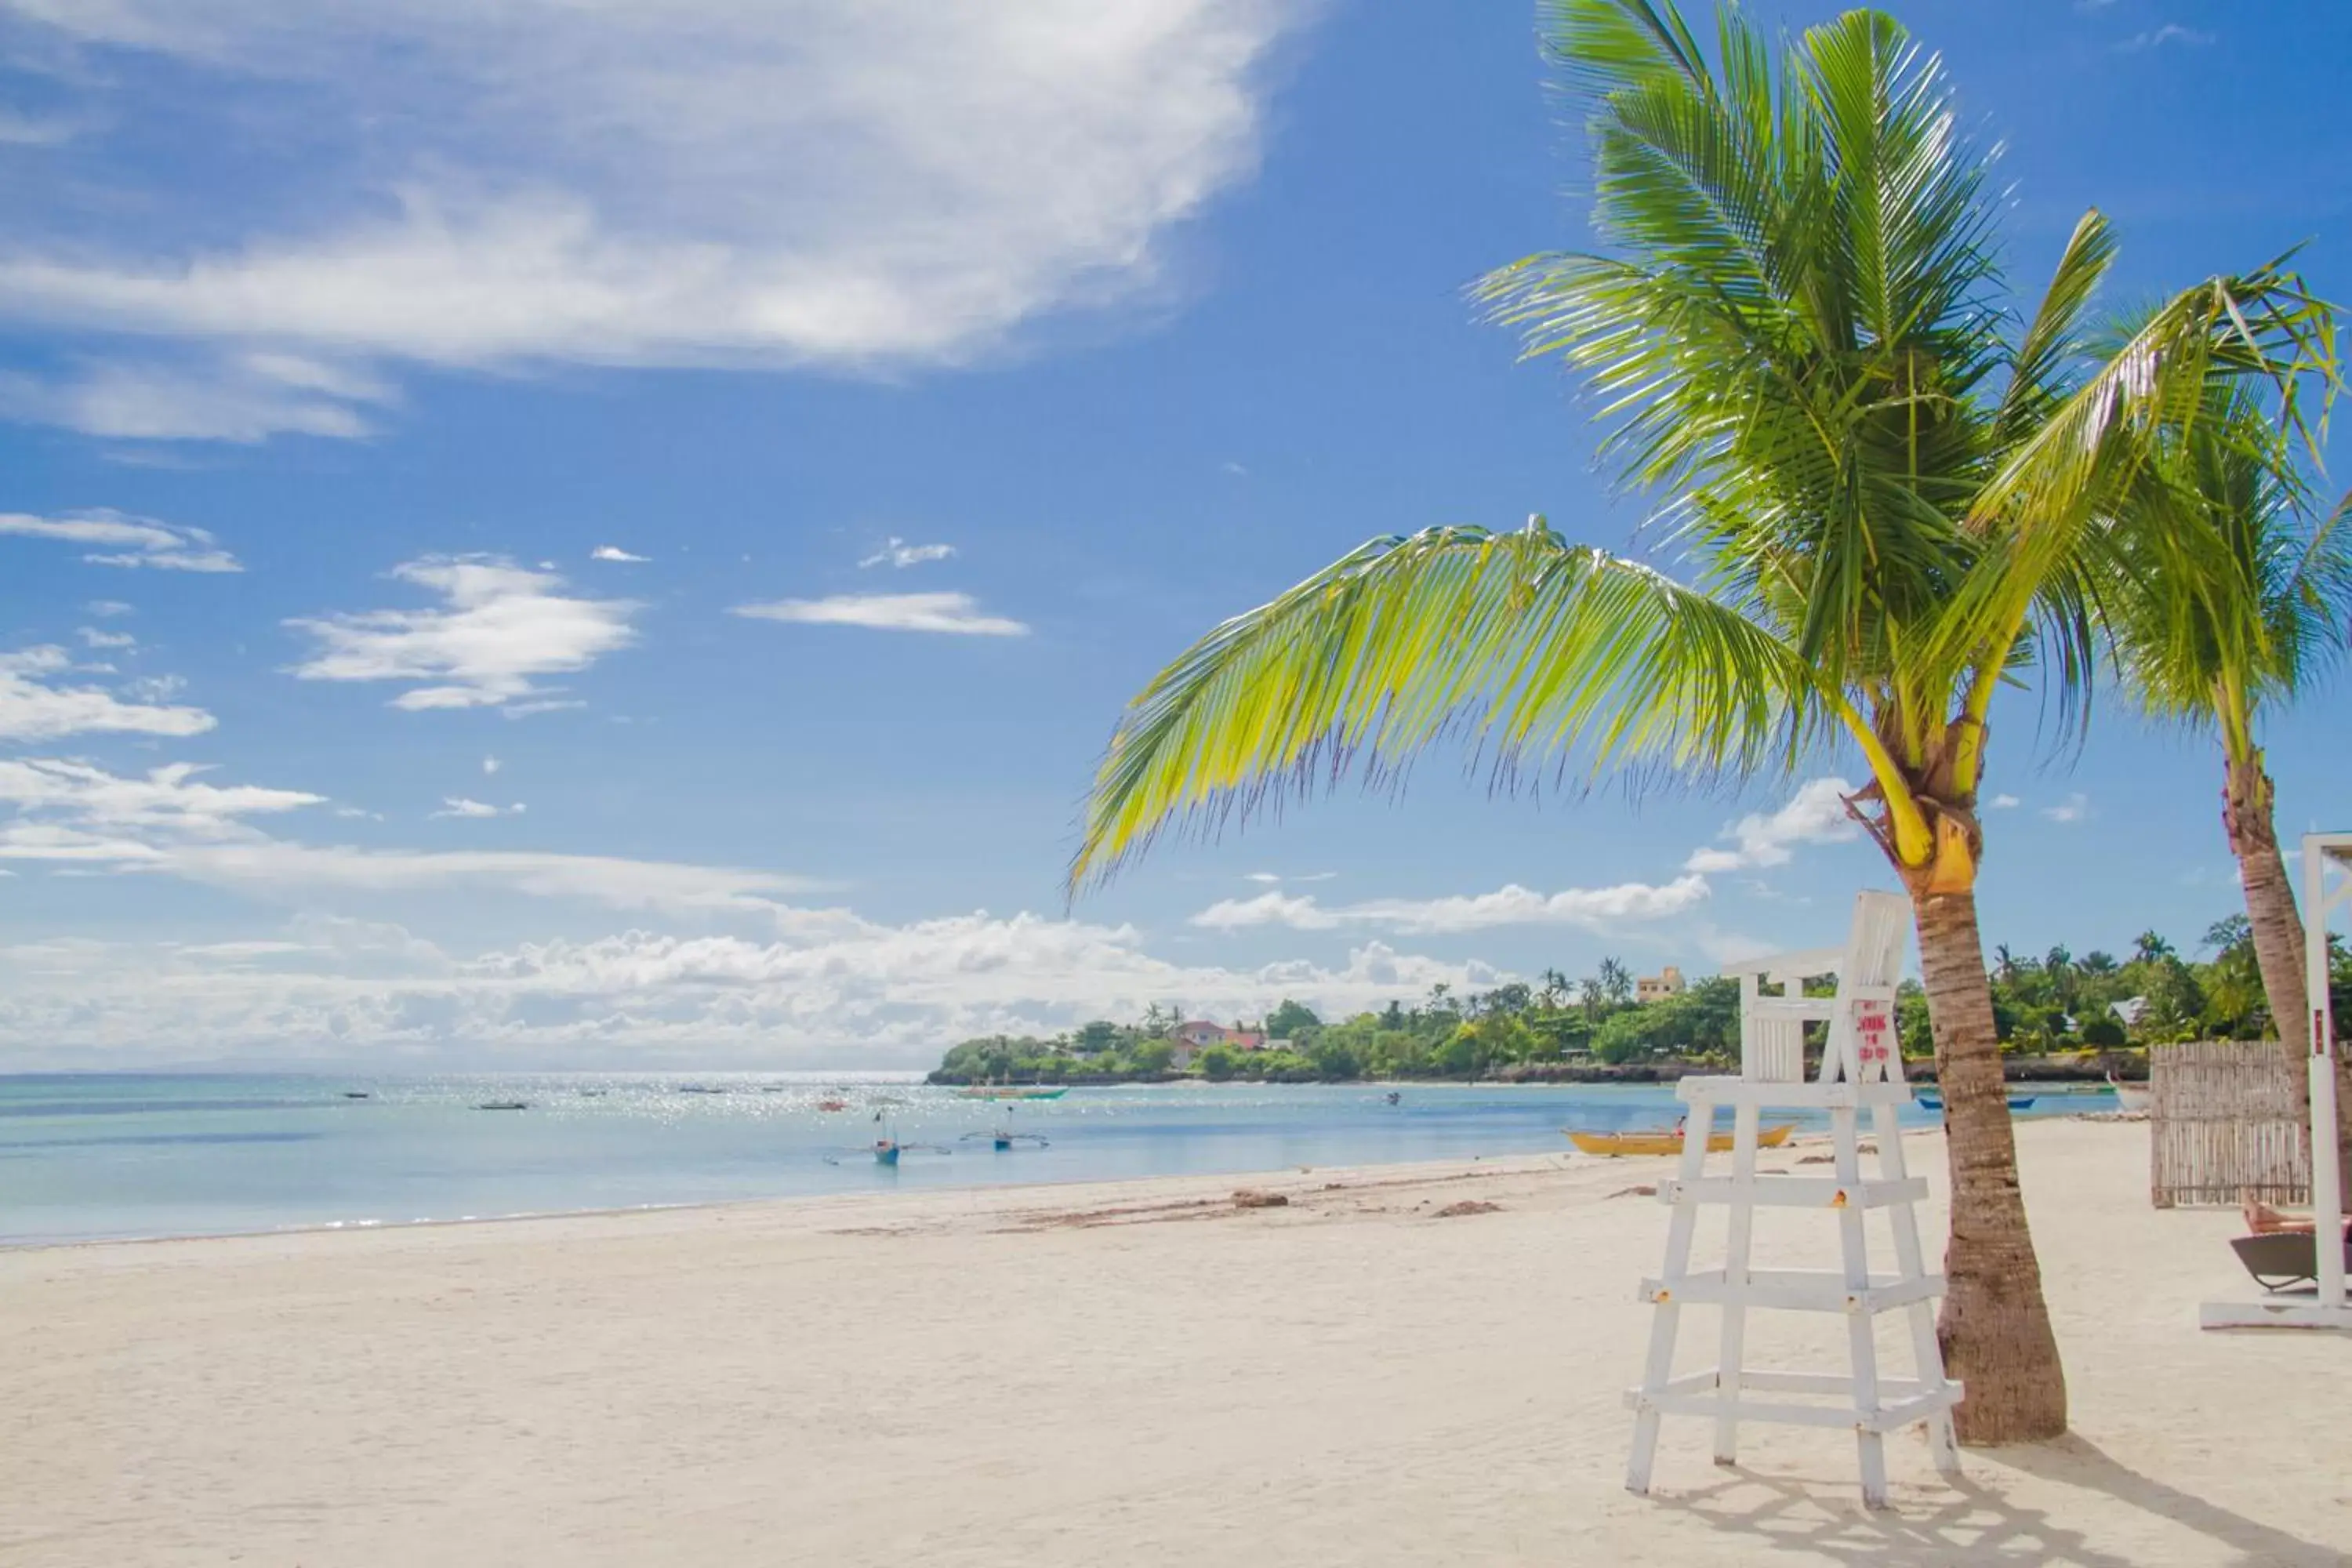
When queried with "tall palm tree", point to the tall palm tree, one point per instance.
{"points": [[2148, 947], [1880, 490], [2229, 600], [1616, 982]]}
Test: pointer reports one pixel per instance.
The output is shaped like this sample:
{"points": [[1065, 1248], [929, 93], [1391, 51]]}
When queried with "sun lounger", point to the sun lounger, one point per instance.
{"points": [[2282, 1259]]}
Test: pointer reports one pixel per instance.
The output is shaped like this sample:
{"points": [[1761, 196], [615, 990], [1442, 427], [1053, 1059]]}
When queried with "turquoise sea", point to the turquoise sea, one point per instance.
{"points": [[89, 1157]]}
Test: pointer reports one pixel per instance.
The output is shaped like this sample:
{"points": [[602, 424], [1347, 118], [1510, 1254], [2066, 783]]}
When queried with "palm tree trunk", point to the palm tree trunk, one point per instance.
{"points": [[1995, 1328], [2246, 815]]}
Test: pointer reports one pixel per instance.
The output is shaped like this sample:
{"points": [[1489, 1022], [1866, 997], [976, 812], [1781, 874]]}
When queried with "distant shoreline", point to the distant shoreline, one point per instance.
{"points": [[2014, 1070]]}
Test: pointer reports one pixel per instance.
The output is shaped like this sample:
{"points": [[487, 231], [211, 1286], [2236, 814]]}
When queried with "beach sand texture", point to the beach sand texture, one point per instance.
{"points": [[1101, 1375]]}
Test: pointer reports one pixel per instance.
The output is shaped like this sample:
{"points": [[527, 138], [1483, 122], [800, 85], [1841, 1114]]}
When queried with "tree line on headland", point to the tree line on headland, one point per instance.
{"points": [[2058, 1004]]}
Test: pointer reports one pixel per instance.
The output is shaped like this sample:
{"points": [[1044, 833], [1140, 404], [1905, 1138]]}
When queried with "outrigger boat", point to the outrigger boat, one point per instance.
{"points": [[1616, 1144], [1933, 1100], [2131, 1096], [1012, 1091], [1004, 1138]]}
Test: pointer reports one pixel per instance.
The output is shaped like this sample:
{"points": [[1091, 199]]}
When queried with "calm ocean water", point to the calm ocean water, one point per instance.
{"points": [[86, 1157]]}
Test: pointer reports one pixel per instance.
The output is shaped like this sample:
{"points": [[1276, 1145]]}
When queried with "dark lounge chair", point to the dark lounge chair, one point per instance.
{"points": [[2282, 1259]]}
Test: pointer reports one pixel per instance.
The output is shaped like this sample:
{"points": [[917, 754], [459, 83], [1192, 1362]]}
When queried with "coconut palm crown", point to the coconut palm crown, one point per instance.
{"points": [[1885, 489]]}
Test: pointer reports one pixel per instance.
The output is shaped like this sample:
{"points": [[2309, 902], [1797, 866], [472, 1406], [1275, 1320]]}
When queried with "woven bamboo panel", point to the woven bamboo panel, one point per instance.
{"points": [[2224, 1124]]}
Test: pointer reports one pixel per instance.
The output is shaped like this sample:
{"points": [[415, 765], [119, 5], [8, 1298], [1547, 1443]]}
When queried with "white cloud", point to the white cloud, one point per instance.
{"points": [[623, 182], [2003, 803], [954, 612], [168, 798], [2073, 809], [615, 553], [835, 989], [2170, 33], [117, 538], [1816, 814], [31, 709], [103, 608], [458, 806], [491, 765], [93, 637], [898, 552], [502, 625], [1592, 909]]}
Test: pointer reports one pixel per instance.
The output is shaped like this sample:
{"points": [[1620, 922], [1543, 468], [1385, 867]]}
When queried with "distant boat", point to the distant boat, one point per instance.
{"points": [[504, 1105], [1934, 1100], [2131, 1096], [591, 1094], [1394, 1097], [832, 1105], [355, 1094], [1005, 1138], [1012, 1092], [1614, 1144], [699, 1088]]}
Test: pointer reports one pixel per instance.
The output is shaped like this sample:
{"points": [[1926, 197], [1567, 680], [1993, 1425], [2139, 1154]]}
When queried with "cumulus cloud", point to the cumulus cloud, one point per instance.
{"points": [[1592, 909], [1816, 814], [2003, 803], [103, 608], [117, 538], [836, 989], [628, 182], [93, 637], [953, 612], [34, 707], [615, 553], [898, 552], [501, 625], [491, 765]]}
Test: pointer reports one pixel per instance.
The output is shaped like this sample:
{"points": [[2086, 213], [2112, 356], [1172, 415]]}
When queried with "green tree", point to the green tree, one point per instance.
{"points": [[1616, 982], [1150, 1057], [1095, 1038], [1287, 1021], [2230, 601], [1217, 1063], [1884, 494]]}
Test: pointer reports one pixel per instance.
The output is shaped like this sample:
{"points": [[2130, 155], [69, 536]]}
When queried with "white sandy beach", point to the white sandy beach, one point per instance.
{"points": [[1099, 1376]]}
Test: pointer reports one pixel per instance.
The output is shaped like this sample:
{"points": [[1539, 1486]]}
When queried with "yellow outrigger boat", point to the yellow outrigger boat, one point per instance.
{"points": [[1615, 1144]]}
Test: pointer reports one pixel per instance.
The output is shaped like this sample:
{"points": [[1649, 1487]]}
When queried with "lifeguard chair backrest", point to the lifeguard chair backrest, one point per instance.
{"points": [[1863, 1047]]}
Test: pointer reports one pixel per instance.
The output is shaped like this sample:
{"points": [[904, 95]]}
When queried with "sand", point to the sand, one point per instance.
{"points": [[1103, 1376]]}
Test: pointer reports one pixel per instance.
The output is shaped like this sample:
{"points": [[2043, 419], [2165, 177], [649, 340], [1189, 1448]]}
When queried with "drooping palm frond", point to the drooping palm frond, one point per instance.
{"points": [[1528, 646]]}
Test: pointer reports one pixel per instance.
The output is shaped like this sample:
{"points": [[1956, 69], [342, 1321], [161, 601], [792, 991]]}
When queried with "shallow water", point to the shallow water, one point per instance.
{"points": [[86, 1157]]}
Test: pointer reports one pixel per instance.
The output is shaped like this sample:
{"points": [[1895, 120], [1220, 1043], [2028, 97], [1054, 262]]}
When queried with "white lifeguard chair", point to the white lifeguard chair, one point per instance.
{"points": [[1862, 1069], [2325, 1307]]}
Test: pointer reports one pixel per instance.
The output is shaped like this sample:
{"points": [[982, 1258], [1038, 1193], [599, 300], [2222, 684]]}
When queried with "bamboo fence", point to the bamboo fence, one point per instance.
{"points": [[2224, 1125]]}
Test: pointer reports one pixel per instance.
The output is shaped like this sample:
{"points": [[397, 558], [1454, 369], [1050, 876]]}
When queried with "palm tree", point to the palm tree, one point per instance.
{"points": [[1881, 492], [1616, 982], [1590, 992], [2228, 602], [2148, 947], [1555, 990]]}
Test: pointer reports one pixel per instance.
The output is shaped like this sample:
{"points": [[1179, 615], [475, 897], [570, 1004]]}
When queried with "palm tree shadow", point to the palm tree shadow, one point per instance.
{"points": [[1963, 1522], [2075, 1462]]}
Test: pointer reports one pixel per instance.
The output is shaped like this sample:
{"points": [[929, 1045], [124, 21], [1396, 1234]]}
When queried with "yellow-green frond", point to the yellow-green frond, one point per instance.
{"points": [[1526, 646]]}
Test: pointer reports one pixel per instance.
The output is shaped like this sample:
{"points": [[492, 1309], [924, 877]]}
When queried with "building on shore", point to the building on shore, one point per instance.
{"points": [[1658, 987]]}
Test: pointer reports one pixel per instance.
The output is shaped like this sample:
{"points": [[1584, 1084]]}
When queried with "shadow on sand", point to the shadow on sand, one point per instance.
{"points": [[1973, 1524]]}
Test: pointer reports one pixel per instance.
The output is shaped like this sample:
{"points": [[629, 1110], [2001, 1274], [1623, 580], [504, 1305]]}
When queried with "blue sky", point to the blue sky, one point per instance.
{"points": [[938, 378]]}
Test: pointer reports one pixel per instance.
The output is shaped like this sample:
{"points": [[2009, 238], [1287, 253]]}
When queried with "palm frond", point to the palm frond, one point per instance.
{"points": [[1521, 644]]}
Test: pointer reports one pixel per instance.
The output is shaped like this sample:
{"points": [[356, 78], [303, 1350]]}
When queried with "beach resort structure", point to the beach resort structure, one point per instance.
{"points": [[1658, 987], [1190, 1038]]}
